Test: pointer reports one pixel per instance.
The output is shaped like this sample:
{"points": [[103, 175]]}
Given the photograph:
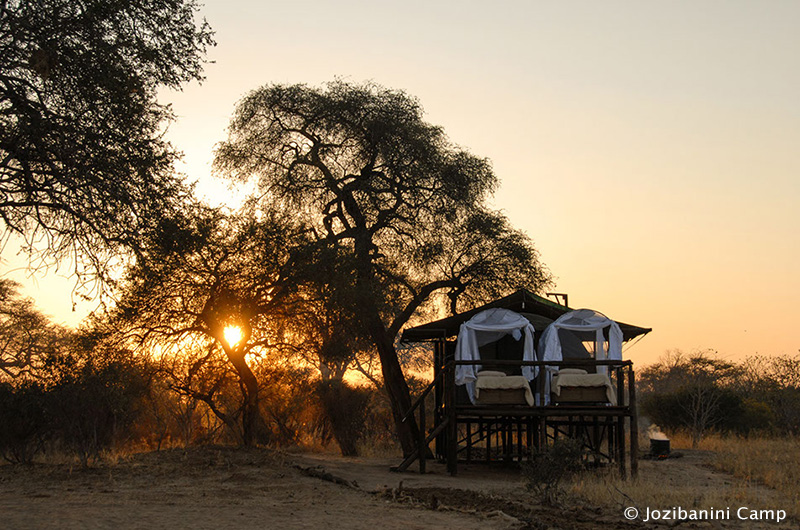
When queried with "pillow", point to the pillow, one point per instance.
{"points": [[490, 373], [573, 371]]}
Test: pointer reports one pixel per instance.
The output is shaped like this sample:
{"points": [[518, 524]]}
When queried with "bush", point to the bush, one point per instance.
{"points": [[288, 403], [24, 418], [345, 409], [83, 400], [92, 406], [547, 468], [700, 393]]}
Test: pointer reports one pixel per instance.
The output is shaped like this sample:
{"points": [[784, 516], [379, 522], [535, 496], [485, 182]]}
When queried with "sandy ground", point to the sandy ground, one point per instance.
{"points": [[218, 487]]}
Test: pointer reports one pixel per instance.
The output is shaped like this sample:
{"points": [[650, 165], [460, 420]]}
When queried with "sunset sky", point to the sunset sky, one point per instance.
{"points": [[650, 149]]}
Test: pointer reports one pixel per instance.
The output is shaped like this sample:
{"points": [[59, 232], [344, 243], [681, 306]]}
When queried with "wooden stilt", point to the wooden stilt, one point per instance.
{"points": [[452, 426], [634, 424], [621, 445], [489, 442], [469, 441], [542, 442], [621, 422], [529, 434], [423, 447]]}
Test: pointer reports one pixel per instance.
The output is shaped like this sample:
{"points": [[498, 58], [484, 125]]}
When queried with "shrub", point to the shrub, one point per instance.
{"points": [[547, 468], [345, 408], [24, 420], [95, 402]]}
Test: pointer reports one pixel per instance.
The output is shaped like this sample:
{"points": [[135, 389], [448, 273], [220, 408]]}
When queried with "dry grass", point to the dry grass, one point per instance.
{"points": [[757, 472], [773, 462], [649, 490]]}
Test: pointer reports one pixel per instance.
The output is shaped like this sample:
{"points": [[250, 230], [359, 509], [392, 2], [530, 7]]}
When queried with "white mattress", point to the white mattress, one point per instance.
{"points": [[585, 380], [509, 382]]}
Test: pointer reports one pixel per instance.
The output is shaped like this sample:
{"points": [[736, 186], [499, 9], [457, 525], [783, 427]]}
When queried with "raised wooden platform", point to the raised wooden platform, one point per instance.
{"points": [[503, 431]]}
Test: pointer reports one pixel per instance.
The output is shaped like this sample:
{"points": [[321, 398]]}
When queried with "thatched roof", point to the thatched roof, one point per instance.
{"points": [[540, 311]]}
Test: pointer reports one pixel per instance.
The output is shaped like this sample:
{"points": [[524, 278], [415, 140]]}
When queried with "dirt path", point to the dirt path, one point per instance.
{"points": [[204, 488], [217, 487], [689, 481]]}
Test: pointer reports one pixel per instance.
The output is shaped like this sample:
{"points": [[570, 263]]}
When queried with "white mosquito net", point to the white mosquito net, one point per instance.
{"points": [[582, 334], [487, 327]]}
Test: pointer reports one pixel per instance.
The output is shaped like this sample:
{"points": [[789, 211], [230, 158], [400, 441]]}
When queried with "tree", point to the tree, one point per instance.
{"points": [[96, 393], [80, 393], [774, 382], [83, 165], [328, 337], [205, 273], [27, 336], [690, 391], [360, 165]]}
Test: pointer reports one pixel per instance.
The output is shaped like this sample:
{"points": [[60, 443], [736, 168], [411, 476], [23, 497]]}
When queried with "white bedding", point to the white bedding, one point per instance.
{"points": [[508, 382], [584, 380]]}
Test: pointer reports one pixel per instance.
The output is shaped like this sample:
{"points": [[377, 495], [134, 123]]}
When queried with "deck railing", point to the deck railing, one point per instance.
{"points": [[445, 414]]}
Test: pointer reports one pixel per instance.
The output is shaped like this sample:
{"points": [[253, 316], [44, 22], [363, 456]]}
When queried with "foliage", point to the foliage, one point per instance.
{"points": [[25, 419], [699, 393], [346, 408], [26, 335], [205, 271], [547, 468], [774, 382], [687, 391], [327, 331], [369, 174], [83, 165], [378, 184], [95, 397], [83, 398], [288, 401]]}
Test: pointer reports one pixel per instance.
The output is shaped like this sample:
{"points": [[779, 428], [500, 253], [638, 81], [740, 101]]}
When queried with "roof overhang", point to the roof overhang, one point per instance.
{"points": [[540, 311]]}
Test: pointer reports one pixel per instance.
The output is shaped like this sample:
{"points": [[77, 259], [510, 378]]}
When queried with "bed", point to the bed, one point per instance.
{"points": [[573, 385], [497, 388]]}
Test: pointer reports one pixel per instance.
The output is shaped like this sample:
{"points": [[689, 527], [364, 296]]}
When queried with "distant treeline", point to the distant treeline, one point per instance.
{"points": [[87, 400], [699, 393], [82, 394]]}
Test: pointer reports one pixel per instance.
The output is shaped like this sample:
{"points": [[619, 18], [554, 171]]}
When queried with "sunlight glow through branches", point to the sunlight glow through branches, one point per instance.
{"points": [[232, 334]]}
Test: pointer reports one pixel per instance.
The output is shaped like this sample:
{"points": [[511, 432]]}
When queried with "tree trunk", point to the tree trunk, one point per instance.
{"points": [[393, 378], [251, 415], [395, 383]]}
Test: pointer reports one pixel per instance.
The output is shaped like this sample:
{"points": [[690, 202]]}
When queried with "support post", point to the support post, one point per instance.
{"points": [[440, 358], [542, 428], [423, 446], [634, 424], [469, 440], [529, 434], [621, 446], [621, 426], [452, 426], [488, 441]]}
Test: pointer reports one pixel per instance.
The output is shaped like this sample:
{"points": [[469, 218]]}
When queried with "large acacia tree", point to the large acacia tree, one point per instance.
{"points": [[83, 165], [361, 166]]}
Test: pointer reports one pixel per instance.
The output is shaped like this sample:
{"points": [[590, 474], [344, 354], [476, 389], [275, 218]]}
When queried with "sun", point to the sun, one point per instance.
{"points": [[232, 334]]}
